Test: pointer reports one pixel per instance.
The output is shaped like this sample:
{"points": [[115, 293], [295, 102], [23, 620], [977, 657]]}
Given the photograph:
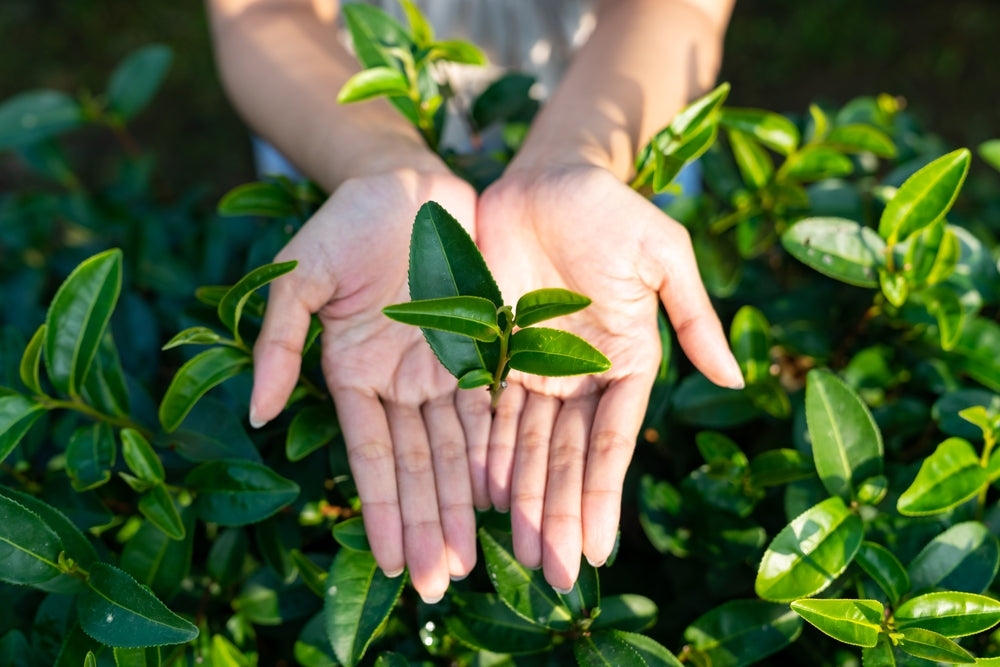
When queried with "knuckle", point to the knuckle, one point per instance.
{"points": [[413, 462], [611, 444]]}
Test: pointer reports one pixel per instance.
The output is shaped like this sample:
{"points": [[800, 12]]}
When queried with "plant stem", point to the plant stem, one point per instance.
{"points": [[78, 405], [498, 385], [990, 440]]}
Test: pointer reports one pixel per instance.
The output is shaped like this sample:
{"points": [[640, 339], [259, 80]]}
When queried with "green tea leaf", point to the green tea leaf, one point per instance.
{"points": [[313, 426], [856, 622], [741, 632], [313, 576], [552, 352], [544, 304], [630, 612], [754, 163], [479, 377], [525, 591], [839, 248], [648, 649], [35, 115], [858, 137], [894, 287], [933, 646], [846, 443], [949, 613], [965, 558], [238, 492], [810, 552], [158, 506], [691, 119], [157, 560], [226, 557], [195, 378], [373, 82], [483, 622], [943, 305], [30, 362], [29, 548], [137, 657], [90, 455], [17, 414], [117, 611], [137, 78], [948, 477], [604, 649], [882, 565], [814, 163], [771, 129], [75, 544], [77, 318], [775, 467], [470, 316], [925, 196], [700, 402], [140, 457], [420, 29], [106, 387], [880, 655], [990, 152], [359, 599], [975, 352], [265, 199], [374, 33], [456, 51], [234, 301], [351, 534], [749, 336]]}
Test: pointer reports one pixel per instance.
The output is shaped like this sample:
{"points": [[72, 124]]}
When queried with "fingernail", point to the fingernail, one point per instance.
{"points": [[562, 591], [255, 421], [459, 577], [394, 573], [428, 600], [734, 372], [597, 563]]}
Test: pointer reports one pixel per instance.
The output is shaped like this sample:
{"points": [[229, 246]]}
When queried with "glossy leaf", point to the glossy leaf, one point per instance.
{"points": [[839, 248], [525, 591], [195, 378], [29, 548], [925, 196], [140, 457], [90, 455], [949, 613], [741, 632], [698, 401], [261, 198], [457, 51], [158, 506], [359, 599], [544, 304], [552, 352], [810, 552], [652, 653], [74, 543], [35, 115], [420, 29], [894, 287], [226, 557], [137, 657], [846, 443], [775, 467], [137, 78], [944, 306], [313, 576], [313, 426], [814, 163], [30, 363], [158, 561], [856, 622], [234, 301], [880, 655], [882, 565], [470, 316], [479, 377], [106, 387], [373, 82], [922, 252], [351, 534], [693, 117], [754, 163], [929, 645], [964, 558], [483, 622], [749, 336], [948, 477], [629, 612], [117, 611], [17, 414], [77, 318], [858, 137], [771, 129], [373, 33], [946, 261], [237, 492], [605, 649]]}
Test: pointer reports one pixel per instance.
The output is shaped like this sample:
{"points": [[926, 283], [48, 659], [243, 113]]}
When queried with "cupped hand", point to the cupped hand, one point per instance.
{"points": [[409, 436], [559, 447]]}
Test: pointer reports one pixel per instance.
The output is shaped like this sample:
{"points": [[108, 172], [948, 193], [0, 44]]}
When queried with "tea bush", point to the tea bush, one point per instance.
{"points": [[841, 506]]}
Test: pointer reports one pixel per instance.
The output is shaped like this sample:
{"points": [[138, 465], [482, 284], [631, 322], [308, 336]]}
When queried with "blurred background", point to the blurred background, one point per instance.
{"points": [[780, 54]]}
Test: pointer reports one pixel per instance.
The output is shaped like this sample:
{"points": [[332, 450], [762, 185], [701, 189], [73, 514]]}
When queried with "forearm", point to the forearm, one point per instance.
{"points": [[283, 66], [645, 60]]}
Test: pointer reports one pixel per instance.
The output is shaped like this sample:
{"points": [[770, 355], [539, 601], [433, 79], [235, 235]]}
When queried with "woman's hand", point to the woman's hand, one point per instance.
{"points": [[559, 447], [406, 429]]}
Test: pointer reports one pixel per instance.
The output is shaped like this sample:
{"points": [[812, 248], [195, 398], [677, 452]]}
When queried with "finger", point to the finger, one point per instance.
{"points": [[369, 452], [423, 541], [503, 438], [527, 492], [277, 354], [562, 529], [698, 329], [454, 488], [612, 441], [474, 412]]}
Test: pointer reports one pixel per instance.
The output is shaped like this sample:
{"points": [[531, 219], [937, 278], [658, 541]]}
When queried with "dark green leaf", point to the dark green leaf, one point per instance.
{"points": [[313, 576], [697, 401], [525, 591], [158, 561], [975, 352], [75, 544], [29, 548], [90, 456], [265, 199], [648, 649], [312, 648], [30, 362], [226, 557], [470, 316], [630, 612], [374, 82], [749, 336], [195, 378], [276, 536], [881, 565], [140, 457], [719, 450], [483, 622], [856, 622], [234, 301], [552, 352], [754, 163], [771, 129], [933, 646], [390, 659], [106, 387], [948, 477], [814, 163], [351, 534], [137, 78], [237, 492], [158, 506], [925, 196], [841, 249], [544, 304], [880, 655], [846, 442], [34, 115], [17, 414], [210, 431], [858, 137], [313, 426], [605, 649], [77, 318], [780, 466], [358, 602], [963, 558], [949, 613], [810, 552], [742, 632]]}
